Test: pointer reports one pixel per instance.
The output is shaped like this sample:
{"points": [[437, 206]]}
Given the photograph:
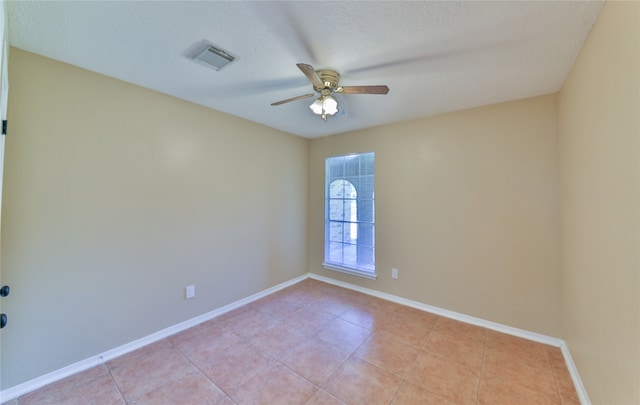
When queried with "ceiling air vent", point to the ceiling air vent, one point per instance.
{"points": [[216, 58]]}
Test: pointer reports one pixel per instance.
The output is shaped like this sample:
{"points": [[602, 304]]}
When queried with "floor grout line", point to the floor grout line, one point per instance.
{"points": [[113, 380]]}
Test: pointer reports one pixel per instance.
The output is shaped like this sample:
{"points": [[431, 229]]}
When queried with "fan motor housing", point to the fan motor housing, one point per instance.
{"points": [[329, 78]]}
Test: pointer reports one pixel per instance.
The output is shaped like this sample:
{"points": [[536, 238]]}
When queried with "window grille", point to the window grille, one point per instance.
{"points": [[350, 214]]}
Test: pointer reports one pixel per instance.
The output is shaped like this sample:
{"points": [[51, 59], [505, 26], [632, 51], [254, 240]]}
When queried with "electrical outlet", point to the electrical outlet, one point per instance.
{"points": [[394, 273], [189, 292]]}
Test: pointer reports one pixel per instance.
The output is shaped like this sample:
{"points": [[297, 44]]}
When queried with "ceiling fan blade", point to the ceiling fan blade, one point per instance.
{"points": [[293, 99], [310, 72], [363, 90]]}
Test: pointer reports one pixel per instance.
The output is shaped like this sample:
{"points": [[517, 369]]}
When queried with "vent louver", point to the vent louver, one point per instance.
{"points": [[216, 58]]}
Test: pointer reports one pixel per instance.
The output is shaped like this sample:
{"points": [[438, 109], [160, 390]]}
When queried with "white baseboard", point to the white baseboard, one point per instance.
{"points": [[509, 330], [57, 375], [573, 371]]}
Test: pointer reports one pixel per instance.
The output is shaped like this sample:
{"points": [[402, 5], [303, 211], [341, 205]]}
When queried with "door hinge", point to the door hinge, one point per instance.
{"points": [[4, 127]]}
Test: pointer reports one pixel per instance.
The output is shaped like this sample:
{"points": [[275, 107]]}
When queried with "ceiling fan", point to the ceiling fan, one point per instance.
{"points": [[325, 82]]}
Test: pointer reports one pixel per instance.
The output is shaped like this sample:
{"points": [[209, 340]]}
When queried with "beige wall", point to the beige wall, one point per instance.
{"points": [[466, 209], [599, 132], [117, 197]]}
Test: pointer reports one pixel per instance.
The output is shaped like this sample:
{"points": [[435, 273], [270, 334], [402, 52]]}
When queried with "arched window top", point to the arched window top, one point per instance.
{"points": [[342, 189]]}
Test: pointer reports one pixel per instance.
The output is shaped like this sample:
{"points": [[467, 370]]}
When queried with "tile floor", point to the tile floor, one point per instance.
{"points": [[314, 343]]}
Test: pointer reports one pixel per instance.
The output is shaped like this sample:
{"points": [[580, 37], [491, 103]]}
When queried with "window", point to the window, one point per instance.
{"points": [[350, 215]]}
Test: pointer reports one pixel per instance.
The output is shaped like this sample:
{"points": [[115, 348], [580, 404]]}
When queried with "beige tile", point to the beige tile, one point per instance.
{"points": [[466, 352], [300, 294], [315, 287], [93, 386], [364, 316], [193, 388], [230, 314], [101, 391], [388, 352], [556, 359], [377, 304], [278, 339], [570, 398], [444, 378], [533, 353], [410, 332], [139, 375], [417, 316], [564, 383], [498, 391], [274, 385], [308, 319], [195, 332], [235, 365], [331, 305], [139, 354], [514, 367], [277, 306], [73, 381], [457, 328], [344, 335], [346, 295], [358, 382], [203, 341], [315, 360], [322, 397], [247, 323], [411, 394]]}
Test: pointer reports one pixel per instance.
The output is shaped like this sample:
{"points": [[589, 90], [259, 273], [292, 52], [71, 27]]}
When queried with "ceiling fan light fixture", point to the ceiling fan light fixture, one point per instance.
{"points": [[316, 106], [330, 105], [324, 105]]}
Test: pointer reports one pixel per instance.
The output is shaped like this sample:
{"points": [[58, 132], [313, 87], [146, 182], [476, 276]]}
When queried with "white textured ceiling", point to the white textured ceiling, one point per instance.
{"points": [[435, 57]]}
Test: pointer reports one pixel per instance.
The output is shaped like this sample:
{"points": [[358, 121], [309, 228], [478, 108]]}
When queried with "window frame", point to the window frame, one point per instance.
{"points": [[363, 174]]}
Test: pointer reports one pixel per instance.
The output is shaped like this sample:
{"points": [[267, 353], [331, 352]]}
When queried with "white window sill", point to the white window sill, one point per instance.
{"points": [[350, 270]]}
